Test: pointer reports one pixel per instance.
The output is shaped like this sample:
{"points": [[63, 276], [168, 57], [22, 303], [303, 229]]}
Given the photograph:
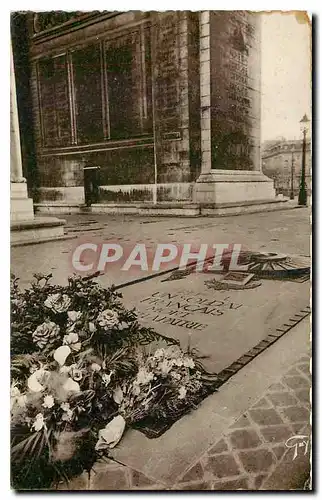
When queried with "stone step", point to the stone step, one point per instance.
{"points": [[167, 209], [37, 230]]}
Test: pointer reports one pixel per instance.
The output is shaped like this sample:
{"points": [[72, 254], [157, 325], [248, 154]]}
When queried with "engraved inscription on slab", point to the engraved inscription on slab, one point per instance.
{"points": [[180, 309]]}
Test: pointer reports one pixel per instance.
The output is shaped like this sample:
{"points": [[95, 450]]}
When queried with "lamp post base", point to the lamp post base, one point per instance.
{"points": [[302, 197]]}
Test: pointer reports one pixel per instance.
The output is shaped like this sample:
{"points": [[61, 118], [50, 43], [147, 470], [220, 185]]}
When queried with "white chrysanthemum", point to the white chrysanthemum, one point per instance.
{"points": [[159, 353], [143, 376], [165, 366], [65, 406], [68, 413], [188, 363], [67, 416], [48, 401]]}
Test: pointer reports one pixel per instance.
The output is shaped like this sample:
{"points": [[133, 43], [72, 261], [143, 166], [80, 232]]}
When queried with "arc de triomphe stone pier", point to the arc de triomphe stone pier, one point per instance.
{"points": [[230, 79]]}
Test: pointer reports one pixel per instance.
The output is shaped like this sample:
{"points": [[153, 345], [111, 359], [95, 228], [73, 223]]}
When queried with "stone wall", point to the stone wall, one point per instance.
{"points": [[175, 109]]}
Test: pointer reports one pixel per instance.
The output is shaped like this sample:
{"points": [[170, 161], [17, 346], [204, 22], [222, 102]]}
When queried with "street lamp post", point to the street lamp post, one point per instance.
{"points": [[292, 174], [302, 192]]}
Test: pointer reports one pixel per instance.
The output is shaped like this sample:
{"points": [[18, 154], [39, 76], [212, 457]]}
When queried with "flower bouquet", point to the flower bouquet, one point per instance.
{"points": [[166, 385], [81, 373]]}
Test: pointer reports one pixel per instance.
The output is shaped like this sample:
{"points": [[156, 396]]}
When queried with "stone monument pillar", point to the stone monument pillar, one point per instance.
{"points": [[21, 205], [25, 228], [230, 111]]}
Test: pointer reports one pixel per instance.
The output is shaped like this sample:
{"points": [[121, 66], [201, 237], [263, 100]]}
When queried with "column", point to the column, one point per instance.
{"points": [[21, 205], [15, 152]]}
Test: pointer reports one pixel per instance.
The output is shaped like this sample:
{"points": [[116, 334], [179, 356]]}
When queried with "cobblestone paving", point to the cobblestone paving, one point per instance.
{"points": [[246, 455], [253, 446]]}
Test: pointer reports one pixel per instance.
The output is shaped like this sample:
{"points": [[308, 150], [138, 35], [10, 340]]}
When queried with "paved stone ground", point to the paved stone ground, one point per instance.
{"points": [[251, 455], [285, 231]]}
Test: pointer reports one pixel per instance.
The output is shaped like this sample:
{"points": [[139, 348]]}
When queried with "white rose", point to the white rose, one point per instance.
{"points": [[108, 318], [73, 316], [45, 334], [57, 302]]}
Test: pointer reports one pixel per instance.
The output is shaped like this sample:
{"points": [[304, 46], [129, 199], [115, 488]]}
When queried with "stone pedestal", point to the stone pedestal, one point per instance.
{"points": [[222, 187], [25, 228], [21, 207]]}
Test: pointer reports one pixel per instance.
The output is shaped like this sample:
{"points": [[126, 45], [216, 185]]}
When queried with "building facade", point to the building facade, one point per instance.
{"points": [[282, 160], [167, 104]]}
